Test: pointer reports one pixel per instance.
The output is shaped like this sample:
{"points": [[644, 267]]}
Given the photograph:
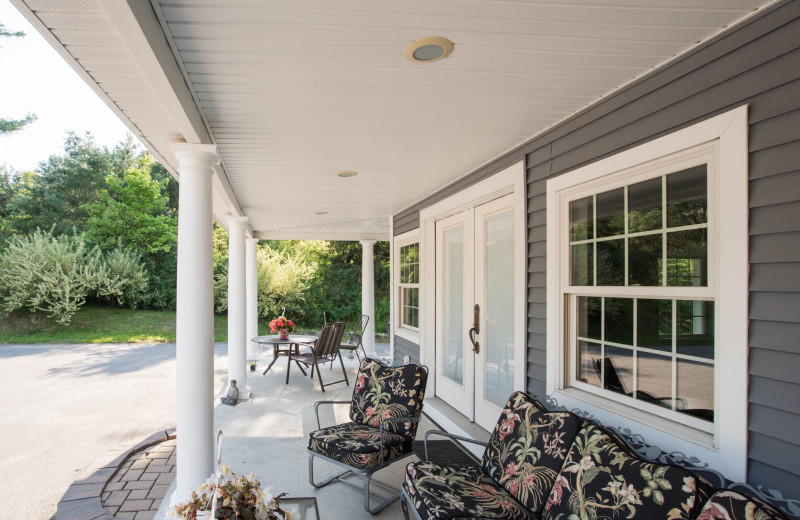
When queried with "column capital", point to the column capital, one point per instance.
{"points": [[238, 221], [195, 155], [252, 240], [367, 242]]}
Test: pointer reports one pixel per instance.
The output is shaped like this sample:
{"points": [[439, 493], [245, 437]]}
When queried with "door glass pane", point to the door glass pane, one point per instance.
{"points": [[453, 304], [498, 320]]}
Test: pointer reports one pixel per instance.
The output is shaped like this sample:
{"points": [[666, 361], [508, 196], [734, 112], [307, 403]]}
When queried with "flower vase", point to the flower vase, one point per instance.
{"points": [[252, 368], [284, 334]]}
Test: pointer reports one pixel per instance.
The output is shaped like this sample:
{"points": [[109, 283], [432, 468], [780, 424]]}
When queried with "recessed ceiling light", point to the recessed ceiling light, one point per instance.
{"points": [[346, 173], [426, 50], [320, 213]]}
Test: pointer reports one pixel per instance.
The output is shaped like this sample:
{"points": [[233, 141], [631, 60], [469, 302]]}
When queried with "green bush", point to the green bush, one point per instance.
{"points": [[40, 272]]}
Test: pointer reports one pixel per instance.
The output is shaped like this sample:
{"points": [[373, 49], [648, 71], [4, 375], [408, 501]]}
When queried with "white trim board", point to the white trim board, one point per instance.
{"points": [[727, 133]]}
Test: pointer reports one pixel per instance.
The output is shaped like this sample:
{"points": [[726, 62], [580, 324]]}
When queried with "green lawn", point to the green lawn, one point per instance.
{"points": [[96, 324]]}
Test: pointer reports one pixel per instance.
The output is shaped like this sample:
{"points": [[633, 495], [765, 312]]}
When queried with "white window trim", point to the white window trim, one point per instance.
{"points": [[402, 240], [727, 450]]}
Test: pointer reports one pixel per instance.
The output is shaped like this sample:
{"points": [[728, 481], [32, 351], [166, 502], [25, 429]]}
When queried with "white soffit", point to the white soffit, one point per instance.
{"points": [[292, 91]]}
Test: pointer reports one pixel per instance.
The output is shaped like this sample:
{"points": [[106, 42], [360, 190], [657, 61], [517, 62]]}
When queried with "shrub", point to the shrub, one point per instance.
{"points": [[54, 275], [46, 273], [121, 278]]}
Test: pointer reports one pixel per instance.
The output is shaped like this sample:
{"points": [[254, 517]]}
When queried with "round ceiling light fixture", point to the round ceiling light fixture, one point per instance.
{"points": [[426, 50], [346, 173]]}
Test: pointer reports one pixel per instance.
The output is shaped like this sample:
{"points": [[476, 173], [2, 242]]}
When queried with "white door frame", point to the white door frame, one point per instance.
{"points": [[509, 180]]}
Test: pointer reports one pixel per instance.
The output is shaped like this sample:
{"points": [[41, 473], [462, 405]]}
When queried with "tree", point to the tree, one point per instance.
{"points": [[64, 185], [13, 125], [132, 211]]}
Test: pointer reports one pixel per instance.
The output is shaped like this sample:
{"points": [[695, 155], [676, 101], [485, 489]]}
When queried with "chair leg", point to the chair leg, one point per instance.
{"points": [[343, 370], [319, 375], [288, 366], [324, 482]]}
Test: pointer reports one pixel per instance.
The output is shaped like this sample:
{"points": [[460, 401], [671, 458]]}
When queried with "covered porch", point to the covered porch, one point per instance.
{"points": [[520, 135]]}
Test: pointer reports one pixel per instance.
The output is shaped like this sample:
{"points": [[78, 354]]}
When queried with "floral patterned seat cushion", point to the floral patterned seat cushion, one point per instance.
{"points": [[382, 392], [730, 505], [358, 445], [602, 480], [459, 492], [527, 449]]}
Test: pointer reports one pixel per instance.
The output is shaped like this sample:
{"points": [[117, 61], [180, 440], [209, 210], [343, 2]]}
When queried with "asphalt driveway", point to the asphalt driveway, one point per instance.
{"points": [[63, 406]]}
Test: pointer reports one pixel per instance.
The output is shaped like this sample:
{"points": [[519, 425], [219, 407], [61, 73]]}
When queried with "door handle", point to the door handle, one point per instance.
{"points": [[475, 330]]}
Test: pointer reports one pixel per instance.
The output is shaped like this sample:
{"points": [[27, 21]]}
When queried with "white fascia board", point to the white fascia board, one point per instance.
{"points": [[320, 235], [42, 29]]}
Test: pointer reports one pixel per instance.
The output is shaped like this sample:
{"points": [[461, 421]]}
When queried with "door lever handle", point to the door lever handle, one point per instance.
{"points": [[473, 337]]}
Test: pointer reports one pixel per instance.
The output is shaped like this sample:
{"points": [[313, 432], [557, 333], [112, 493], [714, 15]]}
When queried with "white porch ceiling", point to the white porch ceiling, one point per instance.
{"points": [[292, 91]]}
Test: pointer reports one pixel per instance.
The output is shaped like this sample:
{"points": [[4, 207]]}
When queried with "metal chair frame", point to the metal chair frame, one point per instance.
{"points": [[366, 473], [325, 349], [403, 493], [356, 335]]}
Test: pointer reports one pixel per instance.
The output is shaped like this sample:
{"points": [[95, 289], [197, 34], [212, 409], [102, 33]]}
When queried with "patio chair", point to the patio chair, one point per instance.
{"points": [[384, 413], [325, 349], [354, 342]]}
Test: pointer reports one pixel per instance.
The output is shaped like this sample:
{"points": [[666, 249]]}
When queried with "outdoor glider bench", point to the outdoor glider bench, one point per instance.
{"points": [[560, 466]]}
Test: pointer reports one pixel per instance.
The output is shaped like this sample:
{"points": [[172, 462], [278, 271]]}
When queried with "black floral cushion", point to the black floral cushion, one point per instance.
{"points": [[382, 392], [602, 480], [459, 492], [358, 445], [527, 449], [730, 505]]}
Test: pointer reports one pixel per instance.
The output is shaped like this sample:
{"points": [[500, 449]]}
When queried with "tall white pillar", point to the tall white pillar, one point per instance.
{"points": [[251, 280], [368, 294], [195, 319], [237, 314]]}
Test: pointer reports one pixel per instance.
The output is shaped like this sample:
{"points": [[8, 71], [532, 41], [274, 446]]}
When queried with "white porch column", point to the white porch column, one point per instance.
{"points": [[251, 280], [195, 319], [368, 294], [237, 316]]}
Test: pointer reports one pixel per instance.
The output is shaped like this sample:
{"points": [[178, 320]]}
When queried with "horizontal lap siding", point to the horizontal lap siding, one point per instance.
{"points": [[757, 64], [403, 347]]}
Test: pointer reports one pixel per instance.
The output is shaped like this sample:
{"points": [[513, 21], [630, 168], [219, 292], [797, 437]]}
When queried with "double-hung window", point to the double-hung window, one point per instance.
{"points": [[647, 290], [408, 286]]}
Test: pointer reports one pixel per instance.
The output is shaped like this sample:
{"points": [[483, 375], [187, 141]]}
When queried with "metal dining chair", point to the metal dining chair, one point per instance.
{"points": [[325, 349], [354, 342]]}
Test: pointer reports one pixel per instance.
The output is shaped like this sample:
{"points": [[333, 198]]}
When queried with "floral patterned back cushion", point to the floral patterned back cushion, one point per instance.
{"points": [[602, 480], [382, 392], [730, 505], [527, 449]]}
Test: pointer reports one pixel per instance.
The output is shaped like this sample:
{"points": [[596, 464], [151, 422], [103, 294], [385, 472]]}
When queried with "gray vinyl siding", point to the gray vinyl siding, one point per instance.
{"points": [[403, 347], [756, 63]]}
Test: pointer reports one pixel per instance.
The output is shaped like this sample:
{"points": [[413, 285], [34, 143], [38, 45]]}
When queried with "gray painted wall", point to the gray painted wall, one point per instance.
{"points": [[757, 63], [403, 347]]}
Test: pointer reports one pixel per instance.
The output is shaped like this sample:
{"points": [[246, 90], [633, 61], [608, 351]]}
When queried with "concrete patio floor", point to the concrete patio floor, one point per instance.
{"points": [[268, 435]]}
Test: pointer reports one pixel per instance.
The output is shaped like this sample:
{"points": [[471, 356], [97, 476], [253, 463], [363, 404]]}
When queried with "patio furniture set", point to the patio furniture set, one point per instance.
{"points": [[324, 348], [538, 463]]}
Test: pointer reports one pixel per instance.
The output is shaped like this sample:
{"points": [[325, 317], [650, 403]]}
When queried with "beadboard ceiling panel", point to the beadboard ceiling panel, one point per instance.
{"points": [[293, 91]]}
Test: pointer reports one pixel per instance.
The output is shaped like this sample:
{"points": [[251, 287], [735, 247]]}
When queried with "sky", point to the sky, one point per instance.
{"points": [[34, 78]]}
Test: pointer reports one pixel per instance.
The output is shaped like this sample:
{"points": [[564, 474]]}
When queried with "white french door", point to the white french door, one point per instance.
{"points": [[479, 341]]}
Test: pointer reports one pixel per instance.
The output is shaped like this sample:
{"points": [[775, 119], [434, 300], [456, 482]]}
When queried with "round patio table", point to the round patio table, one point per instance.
{"points": [[282, 347]]}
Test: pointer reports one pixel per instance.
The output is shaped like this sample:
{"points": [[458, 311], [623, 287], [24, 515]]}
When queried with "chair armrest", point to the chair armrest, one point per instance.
{"points": [[451, 436], [394, 420], [316, 408]]}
